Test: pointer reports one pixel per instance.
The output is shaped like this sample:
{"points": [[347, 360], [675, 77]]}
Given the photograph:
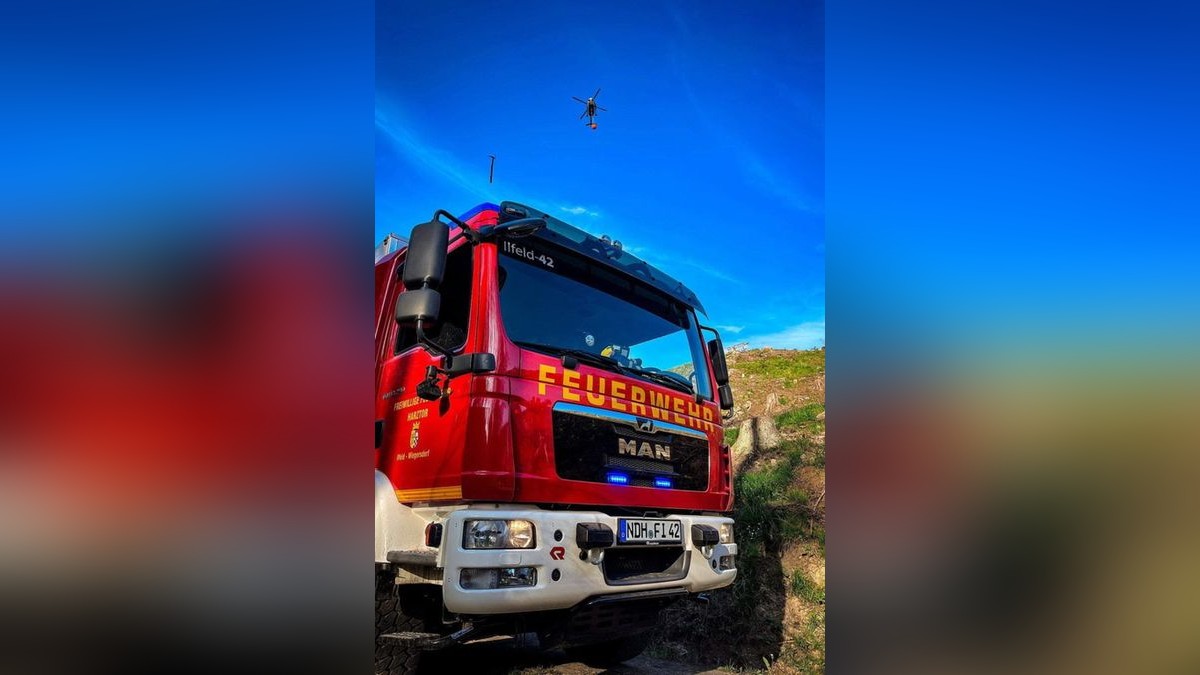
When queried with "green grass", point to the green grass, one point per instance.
{"points": [[795, 452], [731, 435], [759, 522], [807, 653], [788, 366], [804, 419], [806, 590], [765, 505]]}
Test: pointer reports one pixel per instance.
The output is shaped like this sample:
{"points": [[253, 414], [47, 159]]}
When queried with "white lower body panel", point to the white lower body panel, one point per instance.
{"points": [[578, 579]]}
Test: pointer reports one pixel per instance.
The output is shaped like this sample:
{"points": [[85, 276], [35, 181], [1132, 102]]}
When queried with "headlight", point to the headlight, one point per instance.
{"points": [[498, 534], [726, 530]]}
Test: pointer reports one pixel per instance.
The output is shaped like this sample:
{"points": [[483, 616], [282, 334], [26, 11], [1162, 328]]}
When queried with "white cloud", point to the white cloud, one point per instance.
{"points": [[578, 211], [800, 336]]}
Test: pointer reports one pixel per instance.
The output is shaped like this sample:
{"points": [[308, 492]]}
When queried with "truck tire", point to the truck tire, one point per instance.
{"points": [[610, 652], [393, 657]]}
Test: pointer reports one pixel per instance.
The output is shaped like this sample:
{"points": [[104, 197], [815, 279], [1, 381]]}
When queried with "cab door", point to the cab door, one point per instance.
{"points": [[422, 441]]}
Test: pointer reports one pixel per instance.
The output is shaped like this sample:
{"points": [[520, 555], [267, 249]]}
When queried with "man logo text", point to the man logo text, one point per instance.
{"points": [[643, 449]]}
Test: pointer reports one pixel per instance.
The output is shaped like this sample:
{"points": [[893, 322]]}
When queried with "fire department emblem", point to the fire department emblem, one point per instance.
{"points": [[414, 436]]}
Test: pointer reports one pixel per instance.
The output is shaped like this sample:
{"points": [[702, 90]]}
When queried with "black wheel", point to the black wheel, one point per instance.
{"points": [[610, 652], [391, 656]]}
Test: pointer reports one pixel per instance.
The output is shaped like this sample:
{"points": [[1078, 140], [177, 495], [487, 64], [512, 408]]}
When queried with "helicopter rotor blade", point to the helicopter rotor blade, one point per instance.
{"points": [[599, 108], [582, 114], [579, 99], [597, 93]]}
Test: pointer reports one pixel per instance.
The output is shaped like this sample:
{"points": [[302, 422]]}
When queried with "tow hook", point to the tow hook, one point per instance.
{"points": [[432, 641]]}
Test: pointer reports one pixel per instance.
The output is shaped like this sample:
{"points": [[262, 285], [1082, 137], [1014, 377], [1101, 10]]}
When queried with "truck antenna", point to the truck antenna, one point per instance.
{"points": [[492, 168]]}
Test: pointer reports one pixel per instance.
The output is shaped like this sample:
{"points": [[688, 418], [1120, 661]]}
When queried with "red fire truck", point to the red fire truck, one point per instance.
{"points": [[548, 440]]}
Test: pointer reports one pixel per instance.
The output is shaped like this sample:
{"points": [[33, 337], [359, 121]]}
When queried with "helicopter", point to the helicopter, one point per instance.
{"points": [[590, 109]]}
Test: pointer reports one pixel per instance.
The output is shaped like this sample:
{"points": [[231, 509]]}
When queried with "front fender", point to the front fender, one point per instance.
{"points": [[397, 528]]}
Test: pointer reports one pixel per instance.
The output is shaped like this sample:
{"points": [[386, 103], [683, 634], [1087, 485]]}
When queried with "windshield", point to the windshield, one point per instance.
{"points": [[559, 303]]}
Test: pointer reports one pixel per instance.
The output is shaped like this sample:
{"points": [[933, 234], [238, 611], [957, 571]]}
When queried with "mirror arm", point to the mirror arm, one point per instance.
{"points": [[433, 346], [429, 388], [456, 221], [711, 356], [463, 229]]}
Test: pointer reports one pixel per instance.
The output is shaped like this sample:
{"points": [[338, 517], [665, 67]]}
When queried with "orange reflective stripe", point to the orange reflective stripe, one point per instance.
{"points": [[430, 494]]}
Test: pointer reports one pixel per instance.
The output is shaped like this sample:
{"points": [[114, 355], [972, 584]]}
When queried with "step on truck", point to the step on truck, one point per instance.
{"points": [[549, 453]]}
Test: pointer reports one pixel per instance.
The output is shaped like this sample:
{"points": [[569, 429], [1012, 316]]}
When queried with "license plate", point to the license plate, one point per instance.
{"points": [[648, 531]]}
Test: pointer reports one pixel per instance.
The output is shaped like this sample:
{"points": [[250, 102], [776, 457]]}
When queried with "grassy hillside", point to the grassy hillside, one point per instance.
{"points": [[773, 618]]}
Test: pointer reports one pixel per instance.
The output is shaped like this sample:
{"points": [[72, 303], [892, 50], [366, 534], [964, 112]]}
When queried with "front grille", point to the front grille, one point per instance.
{"points": [[635, 464], [637, 565], [590, 443]]}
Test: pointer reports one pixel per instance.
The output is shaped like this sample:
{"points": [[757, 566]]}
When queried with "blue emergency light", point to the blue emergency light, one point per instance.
{"points": [[618, 478]]}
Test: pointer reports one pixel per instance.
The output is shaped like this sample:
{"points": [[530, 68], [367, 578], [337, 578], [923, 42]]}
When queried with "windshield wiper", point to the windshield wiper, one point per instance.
{"points": [[664, 378], [580, 354]]}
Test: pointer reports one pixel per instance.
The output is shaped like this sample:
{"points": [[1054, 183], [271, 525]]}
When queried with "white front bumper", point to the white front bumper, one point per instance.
{"points": [[578, 580]]}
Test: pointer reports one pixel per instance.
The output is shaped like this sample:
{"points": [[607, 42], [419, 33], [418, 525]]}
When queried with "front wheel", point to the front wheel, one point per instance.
{"points": [[610, 652], [393, 657]]}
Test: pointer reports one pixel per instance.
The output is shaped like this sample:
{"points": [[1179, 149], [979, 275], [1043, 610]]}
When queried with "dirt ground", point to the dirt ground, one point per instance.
{"points": [[765, 395]]}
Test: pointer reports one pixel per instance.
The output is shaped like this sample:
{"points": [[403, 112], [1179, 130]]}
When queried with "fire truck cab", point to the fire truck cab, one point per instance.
{"points": [[549, 454]]}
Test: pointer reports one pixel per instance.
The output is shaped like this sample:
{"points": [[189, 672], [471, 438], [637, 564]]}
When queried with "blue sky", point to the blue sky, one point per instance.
{"points": [[709, 162]]}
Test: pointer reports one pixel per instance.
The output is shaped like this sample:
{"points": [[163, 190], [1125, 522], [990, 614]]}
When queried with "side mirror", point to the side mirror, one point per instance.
{"points": [[716, 352], [424, 268], [418, 304], [425, 260], [725, 397]]}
